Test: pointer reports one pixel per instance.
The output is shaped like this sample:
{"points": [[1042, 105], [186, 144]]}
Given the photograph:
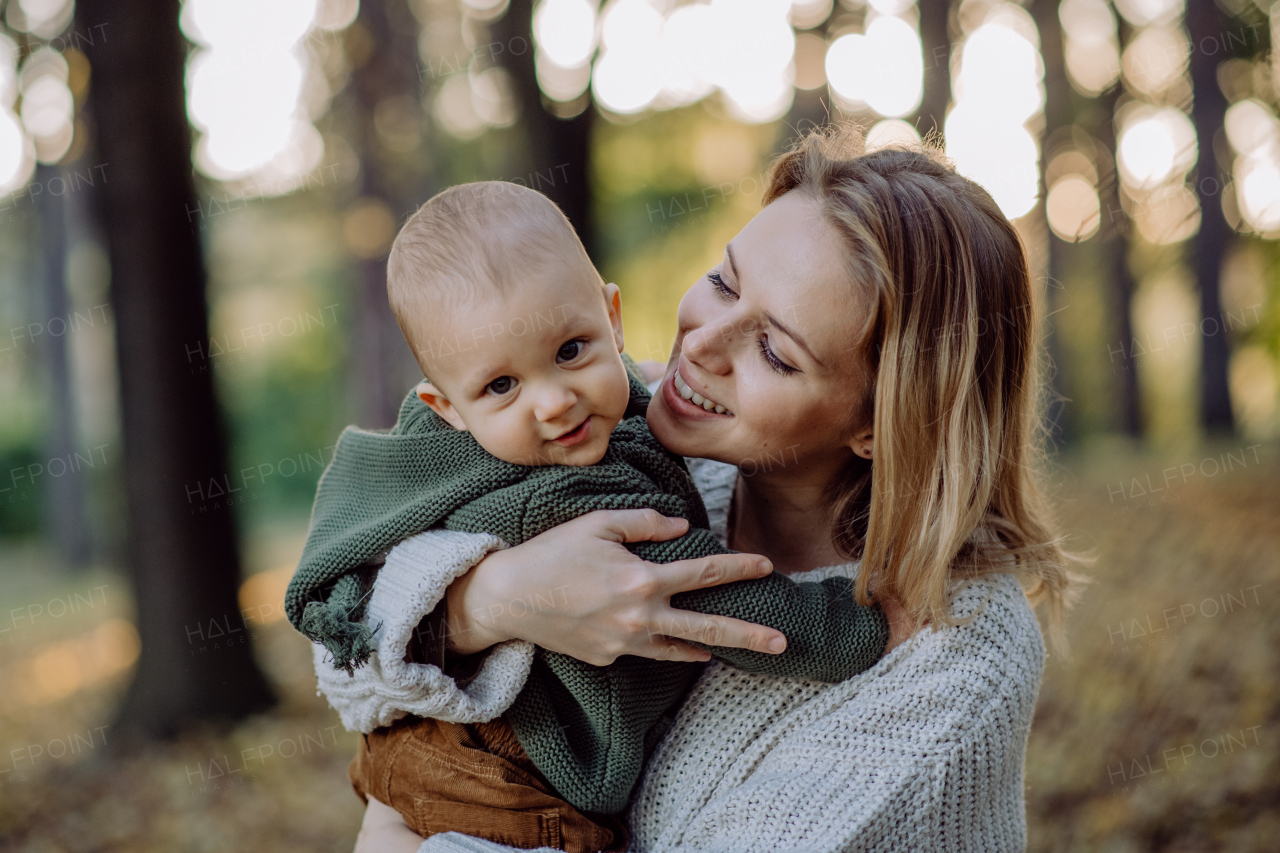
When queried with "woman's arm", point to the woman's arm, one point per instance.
{"points": [[575, 589]]}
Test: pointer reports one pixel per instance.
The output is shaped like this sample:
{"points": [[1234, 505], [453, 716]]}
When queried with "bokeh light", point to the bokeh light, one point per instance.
{"points": [[246, 86], [17, 153], [1073, 210], [809, 13], [1254, 133], [48, 109], [1156, 146], [1143, 12], [997, 91], [566, 31], [44, 19], [756, 48], [1169, 214], [626, 79], [741, 48], [882, 68], [455, 110], [1155, 59], [891, 131], [1090, 45]]}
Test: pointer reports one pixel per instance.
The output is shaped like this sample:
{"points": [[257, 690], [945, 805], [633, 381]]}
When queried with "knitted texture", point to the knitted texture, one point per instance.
{"points": [[382, 487], [924, 751], [409, 585], [586, 728]]}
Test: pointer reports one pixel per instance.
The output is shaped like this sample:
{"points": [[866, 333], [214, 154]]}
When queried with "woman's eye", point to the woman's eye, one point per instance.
{"points": [[774, 362], [570, 351], [717, 281], [500, 386]]}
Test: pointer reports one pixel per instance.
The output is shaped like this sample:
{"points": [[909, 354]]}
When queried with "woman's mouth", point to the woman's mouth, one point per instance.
{"points": [[576, 435], [689, 403]]}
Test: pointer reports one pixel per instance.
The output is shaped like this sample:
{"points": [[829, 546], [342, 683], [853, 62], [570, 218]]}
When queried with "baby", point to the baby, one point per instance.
{"points": [[529, 416]]}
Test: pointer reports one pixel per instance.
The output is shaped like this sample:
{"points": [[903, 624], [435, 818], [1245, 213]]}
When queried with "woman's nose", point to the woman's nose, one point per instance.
{"points": [[553, 401], [706, 347]]}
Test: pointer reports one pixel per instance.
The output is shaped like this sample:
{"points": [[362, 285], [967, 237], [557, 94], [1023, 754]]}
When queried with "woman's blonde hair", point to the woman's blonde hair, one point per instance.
{"points": [[948, 347]]}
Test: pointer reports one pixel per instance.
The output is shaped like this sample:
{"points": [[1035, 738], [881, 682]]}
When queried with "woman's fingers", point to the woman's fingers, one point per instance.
{"points": [[703, 572], [634, 525], [709, 630]]}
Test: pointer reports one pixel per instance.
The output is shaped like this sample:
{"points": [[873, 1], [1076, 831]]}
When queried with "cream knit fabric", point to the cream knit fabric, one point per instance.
{"points": [[924, 751], [408, 586]]}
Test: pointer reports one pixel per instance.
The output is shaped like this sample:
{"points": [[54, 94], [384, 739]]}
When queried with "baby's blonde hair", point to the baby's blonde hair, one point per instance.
{"points": [[948, 353], [472, 237]]}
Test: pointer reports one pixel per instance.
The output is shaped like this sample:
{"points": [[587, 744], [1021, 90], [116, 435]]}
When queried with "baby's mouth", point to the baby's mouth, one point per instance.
{"points": [[575, 435], [697, 399]]}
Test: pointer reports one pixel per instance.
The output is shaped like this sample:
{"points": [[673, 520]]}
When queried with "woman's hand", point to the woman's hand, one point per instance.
{"points": [[576, 590]]}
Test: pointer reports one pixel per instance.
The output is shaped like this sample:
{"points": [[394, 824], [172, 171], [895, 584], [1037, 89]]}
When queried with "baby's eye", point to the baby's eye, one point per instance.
{"points": [[570, 351], [500, 386]]}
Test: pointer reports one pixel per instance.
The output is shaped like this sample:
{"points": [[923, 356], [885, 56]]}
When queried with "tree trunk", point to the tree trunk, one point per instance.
{"points": [[810, 108], [1206, 25], [559, 149], [1114, 232], [196, 662], [1057, 114], [383, 368], [935, 38], [65, 519]]}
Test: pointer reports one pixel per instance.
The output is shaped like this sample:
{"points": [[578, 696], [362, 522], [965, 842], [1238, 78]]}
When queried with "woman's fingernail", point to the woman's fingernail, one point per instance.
{"points": [[765, 566], [777, 644]]}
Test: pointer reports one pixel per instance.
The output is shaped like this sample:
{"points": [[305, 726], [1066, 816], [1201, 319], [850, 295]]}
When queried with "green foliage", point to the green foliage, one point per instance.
{"points": [[20, 497]]}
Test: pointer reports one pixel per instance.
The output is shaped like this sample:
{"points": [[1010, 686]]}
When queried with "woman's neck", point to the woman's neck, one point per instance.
{"points": [[787, 519]]}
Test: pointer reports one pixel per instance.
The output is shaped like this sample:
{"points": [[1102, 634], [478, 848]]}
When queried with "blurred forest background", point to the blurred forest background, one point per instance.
{"points": [[196, 202]]}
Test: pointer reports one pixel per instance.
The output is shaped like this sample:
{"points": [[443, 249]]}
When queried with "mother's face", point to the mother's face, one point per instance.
{"points": [[763, 374]]}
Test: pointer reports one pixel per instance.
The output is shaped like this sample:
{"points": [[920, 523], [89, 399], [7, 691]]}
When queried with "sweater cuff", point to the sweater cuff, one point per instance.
{"points": [[430, 644], [412, 583], [407, 588]]}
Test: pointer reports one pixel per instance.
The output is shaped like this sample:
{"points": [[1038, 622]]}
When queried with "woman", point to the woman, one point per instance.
{"points": [[879, 308]]}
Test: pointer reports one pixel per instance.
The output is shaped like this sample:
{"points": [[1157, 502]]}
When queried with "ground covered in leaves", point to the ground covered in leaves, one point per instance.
{"points": [[1160, 733]]}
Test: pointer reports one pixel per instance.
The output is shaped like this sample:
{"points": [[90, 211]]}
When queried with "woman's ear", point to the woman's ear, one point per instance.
{"points": [[440, 404], [613, 302], [861, 444]]}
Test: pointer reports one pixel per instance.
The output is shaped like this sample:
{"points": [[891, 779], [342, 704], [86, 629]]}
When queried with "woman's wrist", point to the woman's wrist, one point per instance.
{"points": [[473, 612]]}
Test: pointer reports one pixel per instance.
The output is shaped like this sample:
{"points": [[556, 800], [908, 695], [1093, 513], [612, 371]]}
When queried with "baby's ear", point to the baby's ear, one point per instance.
{"points": [[440, 404], [613, 302]]}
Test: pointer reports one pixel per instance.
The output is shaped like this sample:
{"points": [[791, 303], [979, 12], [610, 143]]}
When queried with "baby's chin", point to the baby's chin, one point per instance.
{"points": [[588, 452]]}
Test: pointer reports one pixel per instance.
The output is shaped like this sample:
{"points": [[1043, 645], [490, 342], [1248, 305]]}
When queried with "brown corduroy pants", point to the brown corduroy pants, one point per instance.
{"points": [[475, 779]]}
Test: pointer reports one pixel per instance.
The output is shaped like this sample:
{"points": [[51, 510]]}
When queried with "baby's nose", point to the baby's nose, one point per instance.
{"points": [[553, 402]]}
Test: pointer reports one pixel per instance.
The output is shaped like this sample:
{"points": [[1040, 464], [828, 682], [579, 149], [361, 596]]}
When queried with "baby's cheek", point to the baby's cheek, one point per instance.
{"points": [[504, 444]]}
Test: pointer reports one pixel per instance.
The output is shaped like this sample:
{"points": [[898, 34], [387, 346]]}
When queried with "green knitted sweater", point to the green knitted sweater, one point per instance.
{"points": [[586, 728]]}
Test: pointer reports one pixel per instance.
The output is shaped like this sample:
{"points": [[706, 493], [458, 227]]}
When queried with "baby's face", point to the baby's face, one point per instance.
{"points": [[535, 375]]}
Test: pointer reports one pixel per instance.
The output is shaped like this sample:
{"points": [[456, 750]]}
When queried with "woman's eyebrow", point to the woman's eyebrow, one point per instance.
{"points": [[773, 321], [791, 334]]}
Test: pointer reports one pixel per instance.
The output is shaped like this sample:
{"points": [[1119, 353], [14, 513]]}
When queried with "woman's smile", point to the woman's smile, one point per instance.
{"points": [[674, 390], [691, 394]]}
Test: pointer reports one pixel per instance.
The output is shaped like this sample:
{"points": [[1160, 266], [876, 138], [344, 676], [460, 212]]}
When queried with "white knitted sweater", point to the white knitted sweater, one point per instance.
{"points": [[924, 751]]}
